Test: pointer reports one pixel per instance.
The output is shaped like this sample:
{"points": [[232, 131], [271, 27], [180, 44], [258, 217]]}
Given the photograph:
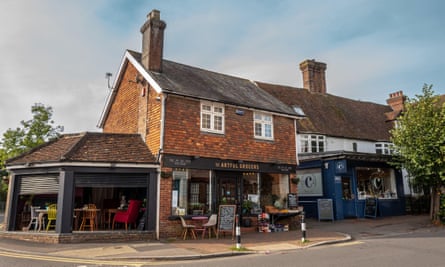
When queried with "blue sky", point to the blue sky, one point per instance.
{"points": [[57, 52]]}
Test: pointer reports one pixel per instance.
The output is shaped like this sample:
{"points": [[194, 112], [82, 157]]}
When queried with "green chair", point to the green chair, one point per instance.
{"points": [[52, 214]]}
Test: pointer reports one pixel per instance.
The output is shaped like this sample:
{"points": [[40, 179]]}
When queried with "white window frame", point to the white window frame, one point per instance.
{"points": [[264, 120], [384, 147], [216, 111], [306, 143]]}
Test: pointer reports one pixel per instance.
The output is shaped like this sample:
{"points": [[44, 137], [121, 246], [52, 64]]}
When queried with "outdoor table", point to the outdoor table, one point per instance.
{"points": [[200, 220]]}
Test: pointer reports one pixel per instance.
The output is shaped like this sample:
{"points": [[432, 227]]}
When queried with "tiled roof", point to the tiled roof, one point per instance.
{"points": [[335, 116], [89, 147], [185, 80]]}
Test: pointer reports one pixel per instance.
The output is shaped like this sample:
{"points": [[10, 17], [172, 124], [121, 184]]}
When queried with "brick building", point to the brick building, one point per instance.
{"points": [[219, 139]]}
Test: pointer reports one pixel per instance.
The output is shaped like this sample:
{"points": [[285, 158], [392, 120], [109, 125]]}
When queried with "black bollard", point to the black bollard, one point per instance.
{"points": [[238, 233], [303, 228]]}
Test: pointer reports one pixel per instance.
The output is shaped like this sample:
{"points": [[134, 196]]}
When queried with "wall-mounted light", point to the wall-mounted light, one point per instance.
{"points": [[326, 165]]}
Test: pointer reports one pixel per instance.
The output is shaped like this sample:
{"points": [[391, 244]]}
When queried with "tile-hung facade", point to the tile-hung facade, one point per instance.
{"points": [[344, 149], [219, 139]]}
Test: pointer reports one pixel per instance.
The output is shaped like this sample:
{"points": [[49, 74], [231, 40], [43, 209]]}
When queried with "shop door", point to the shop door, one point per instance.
{"points": [[228, 189], [348, 197]]}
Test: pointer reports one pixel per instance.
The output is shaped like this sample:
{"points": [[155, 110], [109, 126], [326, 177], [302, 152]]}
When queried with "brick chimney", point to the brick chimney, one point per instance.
{"points": [[153, 41], [314, 78], [396, 101]]}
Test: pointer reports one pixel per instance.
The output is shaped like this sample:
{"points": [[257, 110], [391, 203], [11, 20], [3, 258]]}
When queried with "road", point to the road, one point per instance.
{"points": [[410, 249], [407, 250]]}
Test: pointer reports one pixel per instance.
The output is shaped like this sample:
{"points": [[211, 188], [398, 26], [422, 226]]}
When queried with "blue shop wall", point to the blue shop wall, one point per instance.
{"points": [[332, 173]]}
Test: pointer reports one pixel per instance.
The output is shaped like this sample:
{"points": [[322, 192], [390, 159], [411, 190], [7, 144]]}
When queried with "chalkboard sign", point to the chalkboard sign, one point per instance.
{"points": [[292, 201], [226, 219], [371, 207], [325, 210]]}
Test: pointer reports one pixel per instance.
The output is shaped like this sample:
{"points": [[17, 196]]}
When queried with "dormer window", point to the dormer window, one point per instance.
{"points": [[212, 117]]}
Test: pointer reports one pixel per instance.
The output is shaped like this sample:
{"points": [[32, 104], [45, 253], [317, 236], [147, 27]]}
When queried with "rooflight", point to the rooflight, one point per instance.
{"points": [[298, 110]]}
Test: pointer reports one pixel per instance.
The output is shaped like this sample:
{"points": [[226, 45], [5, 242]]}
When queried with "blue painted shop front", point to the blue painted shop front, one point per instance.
{"points": [[349, 181]]}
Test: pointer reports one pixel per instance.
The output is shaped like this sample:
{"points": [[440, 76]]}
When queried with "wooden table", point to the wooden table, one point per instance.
{"points": [[200, 220], [109, 213]]}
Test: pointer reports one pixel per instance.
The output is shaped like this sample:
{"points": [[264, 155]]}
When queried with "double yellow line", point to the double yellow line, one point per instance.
{"points": [[74, 260]]}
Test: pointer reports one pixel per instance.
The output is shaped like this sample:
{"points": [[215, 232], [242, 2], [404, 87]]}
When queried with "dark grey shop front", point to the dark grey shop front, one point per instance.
{"points": [[72, 187]]}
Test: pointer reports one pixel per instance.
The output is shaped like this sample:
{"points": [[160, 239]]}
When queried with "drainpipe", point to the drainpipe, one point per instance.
{"points": [[296, 143], [161, 148]]}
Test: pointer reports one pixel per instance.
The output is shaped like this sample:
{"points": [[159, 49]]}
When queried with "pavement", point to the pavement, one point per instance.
{"points": [[317, 233]]}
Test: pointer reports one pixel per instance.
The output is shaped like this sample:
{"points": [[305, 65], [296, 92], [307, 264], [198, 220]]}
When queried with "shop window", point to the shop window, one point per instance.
{"points": [[346, 188], [212, 117], [376, 182], [312, 143], [190, 192], [263, 126]]}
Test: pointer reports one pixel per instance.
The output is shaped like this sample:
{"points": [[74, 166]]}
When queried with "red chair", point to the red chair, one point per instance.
{"points": [[130, 215]]}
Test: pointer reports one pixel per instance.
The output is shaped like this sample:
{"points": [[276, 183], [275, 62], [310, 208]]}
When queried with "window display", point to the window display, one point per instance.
{"points": [[376, 182]]}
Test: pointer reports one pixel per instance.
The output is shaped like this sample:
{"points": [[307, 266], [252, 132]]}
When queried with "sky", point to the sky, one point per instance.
{"points": [[57, 52]]}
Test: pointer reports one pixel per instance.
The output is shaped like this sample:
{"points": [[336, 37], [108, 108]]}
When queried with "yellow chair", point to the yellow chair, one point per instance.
{"points": [[52, 214]]}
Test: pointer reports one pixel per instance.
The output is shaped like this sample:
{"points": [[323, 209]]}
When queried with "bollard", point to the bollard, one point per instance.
{"points": [[238, 233], [303, 228]]}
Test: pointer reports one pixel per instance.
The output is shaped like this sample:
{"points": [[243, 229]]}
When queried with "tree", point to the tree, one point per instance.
{"points": [[32, 133], [419, 142]]}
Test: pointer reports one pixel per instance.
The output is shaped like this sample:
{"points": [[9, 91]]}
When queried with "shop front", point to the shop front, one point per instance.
{"points": [[201, 185], [352, 182]]}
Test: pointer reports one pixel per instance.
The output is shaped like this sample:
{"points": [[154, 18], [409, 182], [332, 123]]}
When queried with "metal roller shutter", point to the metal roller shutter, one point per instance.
{"points": [[39, 185], [111, 180]]}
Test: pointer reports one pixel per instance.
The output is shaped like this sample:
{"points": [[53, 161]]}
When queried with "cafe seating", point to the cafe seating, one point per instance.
{"points": [[210, 225], [52, 215], [34, 218], [187, 228], [128, 216], [89, 215]]}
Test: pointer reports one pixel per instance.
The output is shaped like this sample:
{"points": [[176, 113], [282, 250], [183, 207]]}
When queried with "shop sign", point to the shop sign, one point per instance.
{"points": [[310, 183]]}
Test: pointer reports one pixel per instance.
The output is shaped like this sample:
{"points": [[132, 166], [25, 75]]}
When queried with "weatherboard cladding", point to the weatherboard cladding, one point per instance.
{"points": [[90, 147], [335, 116], [189, 81]]}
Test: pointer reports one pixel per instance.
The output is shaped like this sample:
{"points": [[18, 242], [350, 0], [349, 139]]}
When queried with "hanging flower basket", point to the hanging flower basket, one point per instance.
{"points": [[295, 180]]}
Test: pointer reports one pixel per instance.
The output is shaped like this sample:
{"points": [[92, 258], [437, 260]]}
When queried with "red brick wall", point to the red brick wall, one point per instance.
{"points": [[183, 135], [123, 115]]}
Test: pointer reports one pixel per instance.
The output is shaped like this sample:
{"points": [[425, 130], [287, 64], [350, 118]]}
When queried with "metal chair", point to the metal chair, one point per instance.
{"points": [[187, 228]]}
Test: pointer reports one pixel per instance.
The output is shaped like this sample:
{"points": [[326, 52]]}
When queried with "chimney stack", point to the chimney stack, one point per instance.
{"points": [[314, 78], [153, 41], [396, 101]]}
